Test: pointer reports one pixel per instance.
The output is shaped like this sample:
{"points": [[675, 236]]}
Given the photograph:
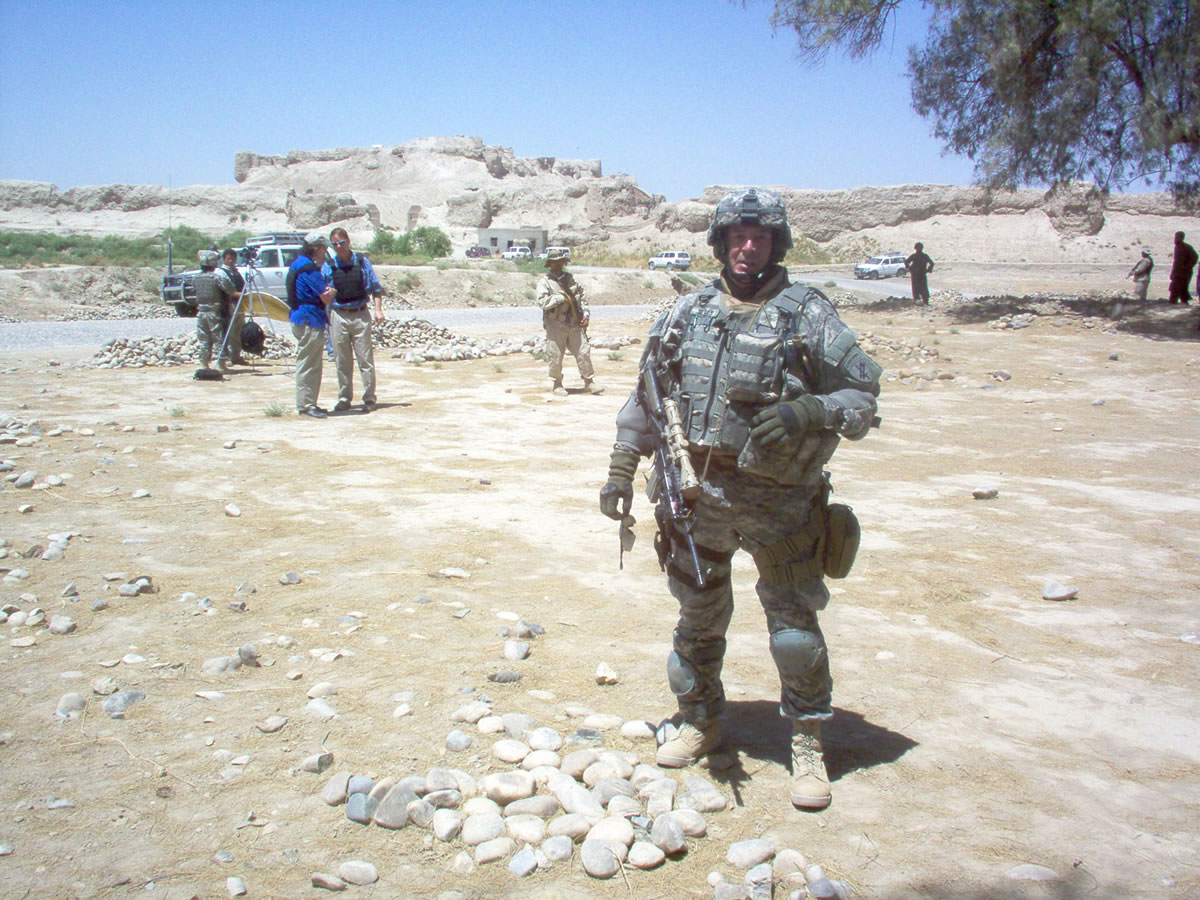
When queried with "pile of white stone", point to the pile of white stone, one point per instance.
{"points": [[602, 808], [127, 309], [181, 350], [417, 341]]}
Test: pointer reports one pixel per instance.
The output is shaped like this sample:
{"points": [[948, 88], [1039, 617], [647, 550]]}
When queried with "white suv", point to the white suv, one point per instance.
{"points": [[672, 260], [273, 254], [517, 253], [881, 266]]}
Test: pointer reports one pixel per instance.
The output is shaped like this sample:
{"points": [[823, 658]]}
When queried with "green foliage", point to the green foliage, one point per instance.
{"points": [[177, 412], [426, 242], [616, 355], [273, 410], [405, 282], [19, 249], [1038, 92]]}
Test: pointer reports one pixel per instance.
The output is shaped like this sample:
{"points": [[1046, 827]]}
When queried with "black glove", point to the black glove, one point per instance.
{"points": [[616, 497], [792, 417]]}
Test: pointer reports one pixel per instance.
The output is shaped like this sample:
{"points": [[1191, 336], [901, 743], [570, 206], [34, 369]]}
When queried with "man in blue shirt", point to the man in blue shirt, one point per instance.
{"points": [[308, 296], [353, 277]]}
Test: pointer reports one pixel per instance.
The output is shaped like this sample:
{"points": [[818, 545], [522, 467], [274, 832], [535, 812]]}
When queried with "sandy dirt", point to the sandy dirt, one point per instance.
{"points": [[978, 727]]}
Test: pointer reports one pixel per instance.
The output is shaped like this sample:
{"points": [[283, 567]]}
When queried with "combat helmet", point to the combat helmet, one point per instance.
{"points": [[751, 206], [208, 259]]}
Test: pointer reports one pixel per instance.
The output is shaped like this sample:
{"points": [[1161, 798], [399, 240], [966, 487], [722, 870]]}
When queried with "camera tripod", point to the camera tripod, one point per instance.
{"points": [[254, 301]]}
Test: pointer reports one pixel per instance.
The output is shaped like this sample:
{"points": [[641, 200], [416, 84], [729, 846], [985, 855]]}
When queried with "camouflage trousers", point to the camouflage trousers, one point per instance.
{"points": [[208, 333], [561, 339], [739, 511]]}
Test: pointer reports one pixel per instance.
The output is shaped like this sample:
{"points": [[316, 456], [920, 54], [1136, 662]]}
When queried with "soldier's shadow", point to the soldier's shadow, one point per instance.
{"points": [[755, 730]]}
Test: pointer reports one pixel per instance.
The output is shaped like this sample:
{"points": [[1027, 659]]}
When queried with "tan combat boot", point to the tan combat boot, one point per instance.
{"points": [[810, 781], [591, 387], [693, 741], [558, 390]]}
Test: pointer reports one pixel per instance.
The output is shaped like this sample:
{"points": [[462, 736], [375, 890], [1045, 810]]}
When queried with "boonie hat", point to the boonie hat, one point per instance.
{"points": [[556, 254], [313, 238]]}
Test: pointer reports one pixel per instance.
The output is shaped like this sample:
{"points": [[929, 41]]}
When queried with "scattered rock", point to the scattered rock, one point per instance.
{"points": [[1055, 591]]}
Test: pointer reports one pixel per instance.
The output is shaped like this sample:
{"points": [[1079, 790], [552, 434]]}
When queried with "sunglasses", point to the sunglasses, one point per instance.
{"points": [[340, 243]]}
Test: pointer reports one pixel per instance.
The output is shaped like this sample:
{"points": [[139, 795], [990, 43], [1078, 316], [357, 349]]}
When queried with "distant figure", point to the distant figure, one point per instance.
{"points": [[232, 309], [565, 316], [1181, 270], [1140, 273], [308, 296], [213, 291], [919, 265], [350, 320]]}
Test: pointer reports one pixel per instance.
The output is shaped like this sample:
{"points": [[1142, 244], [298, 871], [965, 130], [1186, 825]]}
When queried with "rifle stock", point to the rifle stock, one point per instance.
{"points": [[677, 484]]}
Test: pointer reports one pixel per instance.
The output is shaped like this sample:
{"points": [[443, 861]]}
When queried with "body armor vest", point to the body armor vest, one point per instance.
{"points": [[348, 279], [731, 366], [208, 295]]}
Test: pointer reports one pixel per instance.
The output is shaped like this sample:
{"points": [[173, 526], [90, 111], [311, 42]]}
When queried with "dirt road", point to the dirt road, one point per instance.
{"points": [[978, 727]]}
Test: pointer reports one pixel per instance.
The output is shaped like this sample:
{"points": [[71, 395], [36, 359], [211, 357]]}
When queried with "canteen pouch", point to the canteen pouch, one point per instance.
{"points": [[842, 535]]}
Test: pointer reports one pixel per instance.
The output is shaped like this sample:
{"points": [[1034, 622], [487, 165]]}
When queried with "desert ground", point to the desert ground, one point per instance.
{"points": [[986, 742]]}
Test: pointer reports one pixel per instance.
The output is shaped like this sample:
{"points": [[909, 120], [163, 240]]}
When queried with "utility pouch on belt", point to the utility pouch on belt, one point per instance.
{"points": [[826, 545], [842, 535]]}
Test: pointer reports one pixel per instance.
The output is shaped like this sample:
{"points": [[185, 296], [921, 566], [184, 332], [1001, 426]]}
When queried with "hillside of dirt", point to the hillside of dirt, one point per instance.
{"points": [[460, 184]]}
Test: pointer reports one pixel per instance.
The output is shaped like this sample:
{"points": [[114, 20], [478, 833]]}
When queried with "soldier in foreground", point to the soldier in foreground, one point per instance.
{"points": [[746, 388], [565, 317]]}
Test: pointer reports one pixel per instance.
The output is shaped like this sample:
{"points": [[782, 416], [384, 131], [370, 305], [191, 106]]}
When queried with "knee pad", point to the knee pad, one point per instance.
{"points": [[797, 653], [681, 677]]}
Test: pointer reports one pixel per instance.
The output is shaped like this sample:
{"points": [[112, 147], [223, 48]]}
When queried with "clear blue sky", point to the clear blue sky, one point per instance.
{"points": [[680, 95]]}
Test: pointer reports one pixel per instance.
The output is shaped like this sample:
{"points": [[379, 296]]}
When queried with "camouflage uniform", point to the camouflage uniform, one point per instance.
{"points": [[722, 360], [212, 287], [564, 324]]}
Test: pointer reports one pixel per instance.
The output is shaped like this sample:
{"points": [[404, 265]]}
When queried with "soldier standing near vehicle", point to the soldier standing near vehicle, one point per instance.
{"points": [[350, 321], [231, 310], [1140, 273], [1182, 264], [307, 296], [919, 266], [565, 317], [213, 289], [762, 379]]}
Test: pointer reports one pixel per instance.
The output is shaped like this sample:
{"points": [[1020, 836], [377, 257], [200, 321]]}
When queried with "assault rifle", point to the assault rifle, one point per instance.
{"points": [[675, 483], [574, 305]]}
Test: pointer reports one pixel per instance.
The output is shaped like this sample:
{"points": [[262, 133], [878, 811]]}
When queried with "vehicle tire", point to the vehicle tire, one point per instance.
{"points": [[653, 267], [185, 311], [670, 267]]}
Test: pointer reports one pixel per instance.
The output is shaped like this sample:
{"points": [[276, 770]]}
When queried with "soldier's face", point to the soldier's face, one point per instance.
{"points": [[749, 248], [341, 246]]}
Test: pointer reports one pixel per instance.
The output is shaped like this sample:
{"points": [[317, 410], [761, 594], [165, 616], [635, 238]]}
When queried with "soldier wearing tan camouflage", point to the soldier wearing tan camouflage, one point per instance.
{"points": [[565, 317]]}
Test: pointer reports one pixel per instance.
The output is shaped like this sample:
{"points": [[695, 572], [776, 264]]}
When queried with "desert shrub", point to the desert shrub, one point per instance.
{"points": [[19, 249], [420, 245]]}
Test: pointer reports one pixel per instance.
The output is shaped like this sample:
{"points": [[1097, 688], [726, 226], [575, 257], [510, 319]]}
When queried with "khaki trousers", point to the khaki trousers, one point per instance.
{"points": [[310, 345], [562, 338], [350, 332]]}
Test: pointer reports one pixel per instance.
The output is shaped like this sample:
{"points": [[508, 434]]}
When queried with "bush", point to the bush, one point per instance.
{"points": [[19, 249], [424, 243]]}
